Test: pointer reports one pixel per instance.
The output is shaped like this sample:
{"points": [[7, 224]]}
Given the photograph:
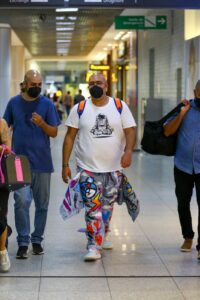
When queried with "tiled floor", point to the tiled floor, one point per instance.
{"points": [[145, 263]]}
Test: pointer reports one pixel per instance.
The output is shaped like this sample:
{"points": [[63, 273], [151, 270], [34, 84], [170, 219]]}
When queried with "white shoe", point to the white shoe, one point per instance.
{"points": [[107, 243], [93, 254], [4, 261]]}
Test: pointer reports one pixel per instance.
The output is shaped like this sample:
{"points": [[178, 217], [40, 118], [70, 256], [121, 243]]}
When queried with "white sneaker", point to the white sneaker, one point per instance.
{"points": [[93, 254], [107, 243], [4, 261]]}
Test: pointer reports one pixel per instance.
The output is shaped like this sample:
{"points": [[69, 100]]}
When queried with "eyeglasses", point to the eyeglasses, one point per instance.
{"points": [[91, 83]]}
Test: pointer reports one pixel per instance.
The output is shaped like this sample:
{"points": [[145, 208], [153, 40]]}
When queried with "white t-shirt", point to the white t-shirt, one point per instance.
{"points": [[100, 140]]}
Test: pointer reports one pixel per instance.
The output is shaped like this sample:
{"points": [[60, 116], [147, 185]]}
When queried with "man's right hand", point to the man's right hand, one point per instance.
{"points": [[66, 173], [186, 106]]}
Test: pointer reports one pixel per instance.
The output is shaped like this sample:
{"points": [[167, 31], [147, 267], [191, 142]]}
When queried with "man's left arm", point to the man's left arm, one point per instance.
{"points": [[130, 134]]}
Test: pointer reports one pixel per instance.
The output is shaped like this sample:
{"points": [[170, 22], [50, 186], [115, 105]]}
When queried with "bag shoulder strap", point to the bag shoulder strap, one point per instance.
{"points": [[118, 104], [1, 157], [173, 111], [81, 107]]}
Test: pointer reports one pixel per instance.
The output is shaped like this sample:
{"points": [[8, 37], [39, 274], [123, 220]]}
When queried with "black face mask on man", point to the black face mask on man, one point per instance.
{"points": [[96, 91], [34, 91]]}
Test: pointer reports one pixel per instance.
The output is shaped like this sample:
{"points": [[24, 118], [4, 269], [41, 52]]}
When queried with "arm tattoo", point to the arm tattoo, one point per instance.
{"points": [[5, 136]]}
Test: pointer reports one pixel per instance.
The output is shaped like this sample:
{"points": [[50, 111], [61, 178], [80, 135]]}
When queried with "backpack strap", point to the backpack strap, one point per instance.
{"points": [[118, 104], [81, 107]]}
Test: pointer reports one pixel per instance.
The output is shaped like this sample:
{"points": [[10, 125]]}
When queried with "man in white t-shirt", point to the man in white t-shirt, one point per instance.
{"points": [[106, 135]]}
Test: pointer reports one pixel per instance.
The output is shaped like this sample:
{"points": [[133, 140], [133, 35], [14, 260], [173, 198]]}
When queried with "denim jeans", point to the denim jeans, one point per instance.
{"points": [[40, 192], [184, 187]]}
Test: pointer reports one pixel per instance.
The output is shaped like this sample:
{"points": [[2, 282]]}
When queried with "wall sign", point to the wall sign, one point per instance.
{"points": [[141, 22], [99, 67]]}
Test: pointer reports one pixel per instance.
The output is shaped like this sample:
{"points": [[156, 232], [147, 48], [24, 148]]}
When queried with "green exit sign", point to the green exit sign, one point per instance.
{"points": [[141, 22]]}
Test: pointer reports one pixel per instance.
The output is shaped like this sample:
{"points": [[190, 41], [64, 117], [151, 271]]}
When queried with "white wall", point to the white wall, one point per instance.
{"points": [[169, 55]]}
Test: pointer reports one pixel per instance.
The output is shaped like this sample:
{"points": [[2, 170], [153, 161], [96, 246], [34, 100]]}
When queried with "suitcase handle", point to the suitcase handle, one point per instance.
{"points": [[1, 172], [4, 147]]}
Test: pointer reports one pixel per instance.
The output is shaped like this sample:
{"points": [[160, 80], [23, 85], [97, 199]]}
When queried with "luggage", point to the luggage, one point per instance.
{"points": [[15, 171], [154, 141]]}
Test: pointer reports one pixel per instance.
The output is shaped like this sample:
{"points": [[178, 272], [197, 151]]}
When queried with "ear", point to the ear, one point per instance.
{"points": [[106, 86]]}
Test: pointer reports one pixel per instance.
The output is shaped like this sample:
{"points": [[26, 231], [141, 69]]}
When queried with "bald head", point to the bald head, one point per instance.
{"points": [[97, 77], [33, 76], [32, 84], [197, 89]]}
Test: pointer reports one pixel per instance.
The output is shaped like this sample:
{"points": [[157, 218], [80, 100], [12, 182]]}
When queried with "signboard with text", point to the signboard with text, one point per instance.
{"points": [[103, 3], [137, 3], [141, 22], [30, 3], [99, 67], [170, 3]]}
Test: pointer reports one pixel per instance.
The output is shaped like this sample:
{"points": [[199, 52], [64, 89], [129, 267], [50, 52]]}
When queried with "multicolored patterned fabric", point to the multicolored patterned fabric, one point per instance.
{"points": [[126, 194], [99, 192], [72, 202]]}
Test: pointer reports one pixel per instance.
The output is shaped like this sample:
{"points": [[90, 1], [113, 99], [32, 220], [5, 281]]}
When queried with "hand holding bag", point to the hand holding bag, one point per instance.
{"points": [[154, 141], [126, 194], [15, 171], [72, 202]]}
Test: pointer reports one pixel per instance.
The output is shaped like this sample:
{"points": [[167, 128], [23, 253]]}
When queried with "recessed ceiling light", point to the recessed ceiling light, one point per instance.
{"points": [[64, 23], [60, 18], [62, 47], [66, 9], [72, 18], [64, 28], [64, 34], [63, 41], [62, 52]]}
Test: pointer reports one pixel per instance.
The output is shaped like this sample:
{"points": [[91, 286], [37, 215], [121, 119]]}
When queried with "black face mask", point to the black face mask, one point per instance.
{"points": [[96, 91], [34, 91], [197, 102]]}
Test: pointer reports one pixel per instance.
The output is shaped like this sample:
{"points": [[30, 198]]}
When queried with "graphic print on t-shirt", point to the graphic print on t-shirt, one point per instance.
{"points": [[101, 128]]}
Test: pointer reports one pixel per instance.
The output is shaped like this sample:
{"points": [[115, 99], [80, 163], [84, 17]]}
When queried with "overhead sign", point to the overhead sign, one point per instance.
{"points": [[140, 22], [28, 3], [137, 3], [99, 67], [169, 3], [102, 3]]}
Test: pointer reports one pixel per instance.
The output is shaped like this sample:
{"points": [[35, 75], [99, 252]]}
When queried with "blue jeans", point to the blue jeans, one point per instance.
{"points": [[40, 192]]}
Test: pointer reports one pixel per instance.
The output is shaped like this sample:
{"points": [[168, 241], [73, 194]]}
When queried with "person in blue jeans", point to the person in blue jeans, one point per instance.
{"points": [[34, 120]]}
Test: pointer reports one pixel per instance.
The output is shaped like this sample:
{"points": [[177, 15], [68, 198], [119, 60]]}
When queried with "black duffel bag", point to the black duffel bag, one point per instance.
{"points": [[154, 141]]}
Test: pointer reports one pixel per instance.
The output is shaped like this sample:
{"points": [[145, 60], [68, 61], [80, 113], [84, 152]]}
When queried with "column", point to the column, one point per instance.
{"points": [[18, 67], [5, 66]]}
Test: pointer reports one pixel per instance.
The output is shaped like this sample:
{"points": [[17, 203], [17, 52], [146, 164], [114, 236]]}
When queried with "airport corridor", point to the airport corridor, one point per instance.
{"points": [[146, 262]]}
